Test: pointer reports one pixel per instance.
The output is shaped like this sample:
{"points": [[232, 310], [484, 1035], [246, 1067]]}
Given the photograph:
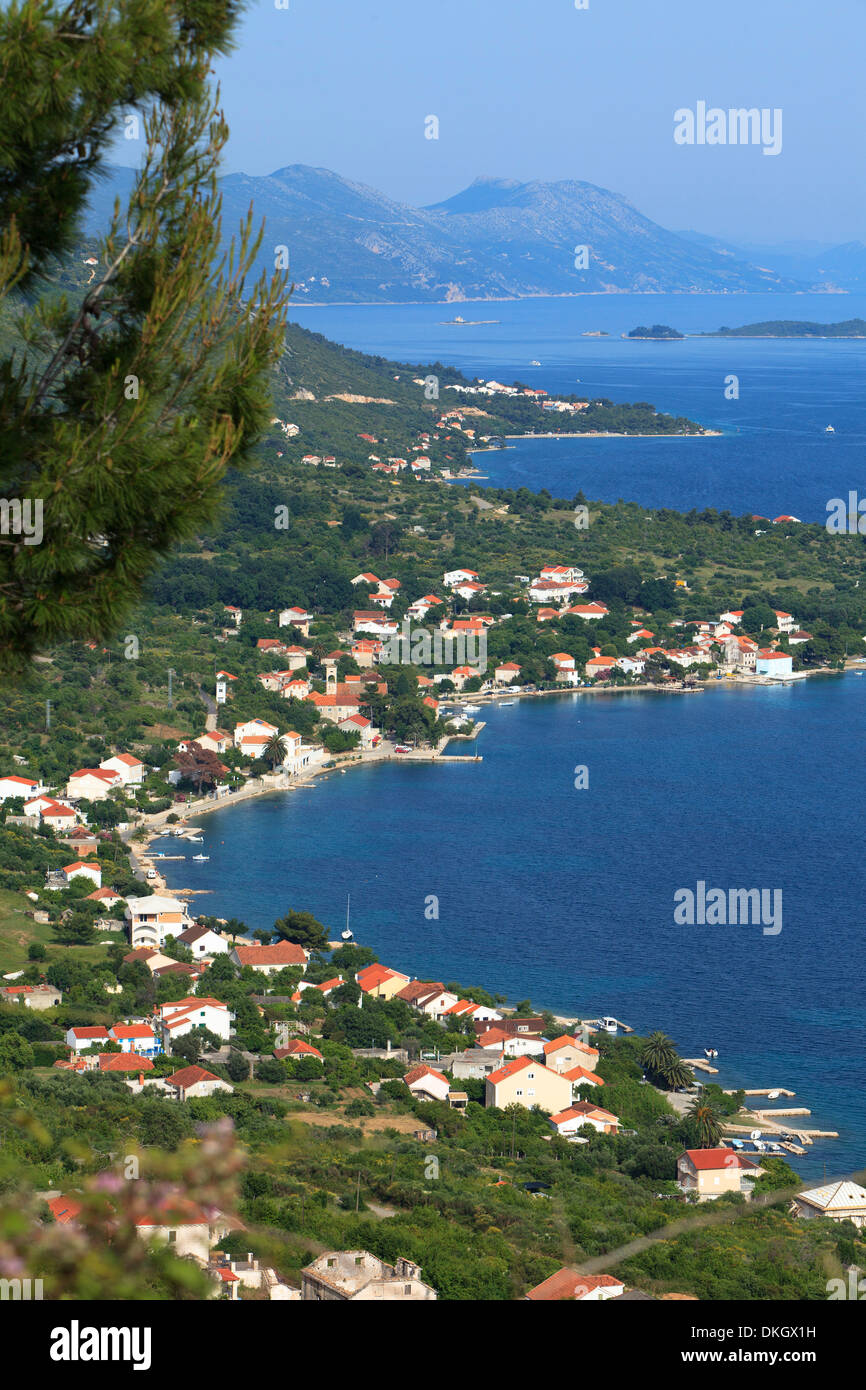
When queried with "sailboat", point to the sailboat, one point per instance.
{"points": [[347, 934], [828, 429]]}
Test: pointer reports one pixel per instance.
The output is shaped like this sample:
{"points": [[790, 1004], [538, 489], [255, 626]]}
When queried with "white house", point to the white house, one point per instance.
{"points": [[92, 783], [83, 1039], [19, 786], [454, 577], [774, 664], [193, 1082], [785, 622], [183, 1016], [838, 1201], [561, 574], [81, 870], [252, 736], [590, 612], [135, 1037], [426, 1081], [202, 941], [151, 920], [129, 769], [296, 617]]}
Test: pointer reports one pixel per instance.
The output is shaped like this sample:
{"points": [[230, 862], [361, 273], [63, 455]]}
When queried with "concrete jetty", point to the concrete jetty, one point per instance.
{"points": [[769, 1091], [699, 1064]]}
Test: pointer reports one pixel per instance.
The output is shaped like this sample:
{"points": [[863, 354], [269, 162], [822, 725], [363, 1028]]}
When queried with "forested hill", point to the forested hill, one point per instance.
{"points": [[794, 328]]}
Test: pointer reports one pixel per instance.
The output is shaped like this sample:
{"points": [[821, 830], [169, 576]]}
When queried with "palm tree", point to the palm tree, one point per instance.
{"points": [[707, 1123], [677, 1074], [659, 1053], [274, 750]]}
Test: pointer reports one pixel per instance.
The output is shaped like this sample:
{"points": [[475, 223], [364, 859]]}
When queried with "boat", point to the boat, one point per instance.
{"points": [[609, 1024], [471, 709], [828, 429], [711, 1052], [201, 858], [347, 934], [535, 363], [503, 704], [195, 839]]}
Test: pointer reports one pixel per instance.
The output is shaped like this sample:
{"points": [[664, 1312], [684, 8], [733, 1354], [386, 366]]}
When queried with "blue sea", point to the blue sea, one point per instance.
{"points": [[773, 457], [566, 896]]}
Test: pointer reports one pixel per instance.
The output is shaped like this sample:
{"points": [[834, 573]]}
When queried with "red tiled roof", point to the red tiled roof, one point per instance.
{"points": [[124, 1061], [190, 1076], [282, 953], [708, 1160], [571, 1284], [418, 1073]]}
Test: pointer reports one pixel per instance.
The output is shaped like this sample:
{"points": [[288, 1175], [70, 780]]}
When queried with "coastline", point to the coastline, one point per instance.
{"points": [[734, 1126]]}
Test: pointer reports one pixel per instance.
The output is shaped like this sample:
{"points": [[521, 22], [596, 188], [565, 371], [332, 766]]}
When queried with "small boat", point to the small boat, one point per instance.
{"points": [[347, 934], [195, 839], [711, 1052], [534, 363], [471, 709], [828, 429], [201, 858], [609, 1024], [503, 704]]}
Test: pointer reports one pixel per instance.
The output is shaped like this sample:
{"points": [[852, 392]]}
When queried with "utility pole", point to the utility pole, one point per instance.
{"points": [[171, 673], [48, 716], [358, 1193]]}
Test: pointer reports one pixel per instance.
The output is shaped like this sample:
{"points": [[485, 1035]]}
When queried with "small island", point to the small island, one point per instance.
{"points": [[660, 332], [792, 328]]}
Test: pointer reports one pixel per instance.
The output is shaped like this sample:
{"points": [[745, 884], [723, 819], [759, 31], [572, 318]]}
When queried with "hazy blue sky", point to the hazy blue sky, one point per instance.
{"points": [[535, 89]]}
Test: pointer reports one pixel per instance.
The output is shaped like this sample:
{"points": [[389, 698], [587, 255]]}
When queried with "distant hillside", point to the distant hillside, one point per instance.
{"points": [[496, 239], [819, 267], [793, 328]]}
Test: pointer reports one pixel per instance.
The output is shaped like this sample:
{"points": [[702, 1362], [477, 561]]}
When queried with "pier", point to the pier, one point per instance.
{"points": [[699, 1064]]}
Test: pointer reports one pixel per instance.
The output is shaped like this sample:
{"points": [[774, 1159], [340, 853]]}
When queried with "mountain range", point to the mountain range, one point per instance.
{"points": [[497, 239]]}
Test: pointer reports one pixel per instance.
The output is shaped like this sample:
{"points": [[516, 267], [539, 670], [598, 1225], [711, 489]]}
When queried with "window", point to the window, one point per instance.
{"points": [[407, 1288]]}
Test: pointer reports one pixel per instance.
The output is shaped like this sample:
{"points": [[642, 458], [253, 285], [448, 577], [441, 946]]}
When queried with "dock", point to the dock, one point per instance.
{"points": [[769, 1091], [699, 1064]]}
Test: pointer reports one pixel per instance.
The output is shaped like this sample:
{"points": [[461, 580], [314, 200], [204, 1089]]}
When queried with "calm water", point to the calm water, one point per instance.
{"points": [[773, 457], [566, 896]]}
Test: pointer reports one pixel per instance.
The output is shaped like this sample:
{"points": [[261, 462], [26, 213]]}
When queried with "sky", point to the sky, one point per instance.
{"points": [[538, 89]]}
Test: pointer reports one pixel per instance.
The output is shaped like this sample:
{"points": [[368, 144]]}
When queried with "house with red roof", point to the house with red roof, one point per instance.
{"points": [[297, 1050], [82, 1039], [528, 1082], [567, 1051], [79, 869], [380, 982], [569, 1285], [183, 1016], [590, 612], [568, 1123], [126, 1062], [269, 959], [129, 769], [19, 786], [427, 1083], [193, 1082], [709, 1173], [92, 783], [135, 1037]]}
